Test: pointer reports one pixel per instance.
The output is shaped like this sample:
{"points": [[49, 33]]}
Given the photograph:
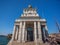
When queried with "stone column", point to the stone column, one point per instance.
{"points": [[39, 32], [46, 28], [35, 32], [16, 36], [13, 36], [25, 35], [23, 32], [46, 31], [20, 29]]}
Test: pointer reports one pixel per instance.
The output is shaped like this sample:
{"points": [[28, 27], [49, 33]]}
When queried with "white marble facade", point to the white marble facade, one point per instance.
{"points": [[29, 18]]}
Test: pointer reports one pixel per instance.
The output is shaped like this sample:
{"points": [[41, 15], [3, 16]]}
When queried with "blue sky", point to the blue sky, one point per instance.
{"points": [[12, 9]]}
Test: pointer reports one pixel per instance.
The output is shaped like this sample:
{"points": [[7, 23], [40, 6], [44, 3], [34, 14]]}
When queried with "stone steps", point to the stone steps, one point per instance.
{"points": [[29, 43], [26, 43]]}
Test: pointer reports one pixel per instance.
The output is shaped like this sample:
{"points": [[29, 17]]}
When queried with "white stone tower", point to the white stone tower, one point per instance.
{"points": [[29, 28]]}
